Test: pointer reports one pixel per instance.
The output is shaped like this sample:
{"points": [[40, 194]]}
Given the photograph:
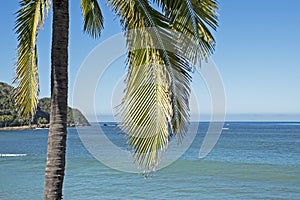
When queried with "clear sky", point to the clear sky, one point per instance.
{"points": [[257, 53]]}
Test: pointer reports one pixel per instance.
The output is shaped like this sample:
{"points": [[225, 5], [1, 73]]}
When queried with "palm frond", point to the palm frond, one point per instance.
{"points": [[193, 18], [180, 102], [146, 110], [30, 18], [93, 18], [153, 109], [135, 14]]}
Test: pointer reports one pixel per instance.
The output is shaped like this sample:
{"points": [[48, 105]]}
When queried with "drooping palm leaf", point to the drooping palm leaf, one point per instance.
{"points": [[30, 18], [193, 18], [156, 100], [182, 80], [93, 19], [145, 111]]}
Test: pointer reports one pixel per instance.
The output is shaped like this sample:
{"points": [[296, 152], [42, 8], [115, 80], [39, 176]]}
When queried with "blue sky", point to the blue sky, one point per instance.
{"points": [[257, 53]]}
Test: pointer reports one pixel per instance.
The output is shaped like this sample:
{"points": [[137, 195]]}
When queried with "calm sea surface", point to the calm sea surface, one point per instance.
{"points": [[250, 161]]}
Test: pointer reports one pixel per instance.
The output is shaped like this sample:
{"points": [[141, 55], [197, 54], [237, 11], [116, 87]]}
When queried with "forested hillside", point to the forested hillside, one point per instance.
{"points": [[9, 115]]}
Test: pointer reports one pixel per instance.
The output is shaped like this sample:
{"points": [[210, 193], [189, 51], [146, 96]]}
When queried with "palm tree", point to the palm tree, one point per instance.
{"points": [[156, 102], [29, 19]]}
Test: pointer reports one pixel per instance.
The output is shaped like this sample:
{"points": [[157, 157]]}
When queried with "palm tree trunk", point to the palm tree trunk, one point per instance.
{"points": [[55, 165]]}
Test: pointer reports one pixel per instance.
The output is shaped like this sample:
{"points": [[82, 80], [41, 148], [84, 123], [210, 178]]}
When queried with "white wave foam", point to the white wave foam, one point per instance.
{"points": [[12, 155]]}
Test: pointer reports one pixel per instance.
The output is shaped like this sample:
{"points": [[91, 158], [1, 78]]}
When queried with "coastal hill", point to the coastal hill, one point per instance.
{"points": [[9, 115]]}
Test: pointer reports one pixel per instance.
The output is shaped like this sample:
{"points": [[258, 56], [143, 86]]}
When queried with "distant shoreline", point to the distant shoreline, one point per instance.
{"points": [[18, 128], [32, 127]]}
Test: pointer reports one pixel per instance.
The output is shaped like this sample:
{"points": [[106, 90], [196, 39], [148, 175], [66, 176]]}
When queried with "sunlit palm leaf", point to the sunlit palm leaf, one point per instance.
{"points": [[156, 100], [182, 80], [29, 18], [93, 19], [146, 110], [193, 18]]}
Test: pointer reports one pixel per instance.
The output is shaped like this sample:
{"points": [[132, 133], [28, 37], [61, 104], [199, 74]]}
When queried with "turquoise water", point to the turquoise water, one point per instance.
{"points": [[250, 161]]}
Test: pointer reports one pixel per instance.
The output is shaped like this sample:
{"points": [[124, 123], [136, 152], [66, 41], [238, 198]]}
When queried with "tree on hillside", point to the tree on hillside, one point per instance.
{"points": [[41, 121], [161, 102], [5, 119]]}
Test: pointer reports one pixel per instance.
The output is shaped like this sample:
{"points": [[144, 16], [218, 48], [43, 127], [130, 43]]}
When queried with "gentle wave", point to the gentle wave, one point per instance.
{"points": [[12, 155], [288, 124]]}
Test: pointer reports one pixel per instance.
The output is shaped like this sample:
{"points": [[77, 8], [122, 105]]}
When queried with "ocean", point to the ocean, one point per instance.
{"points": [[251, 160]]}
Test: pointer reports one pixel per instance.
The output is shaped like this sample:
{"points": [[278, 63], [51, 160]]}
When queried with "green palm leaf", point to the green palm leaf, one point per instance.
{"points": [[29, 19], [93, 19], [146, 110], [193, 18], [156, 100]]}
